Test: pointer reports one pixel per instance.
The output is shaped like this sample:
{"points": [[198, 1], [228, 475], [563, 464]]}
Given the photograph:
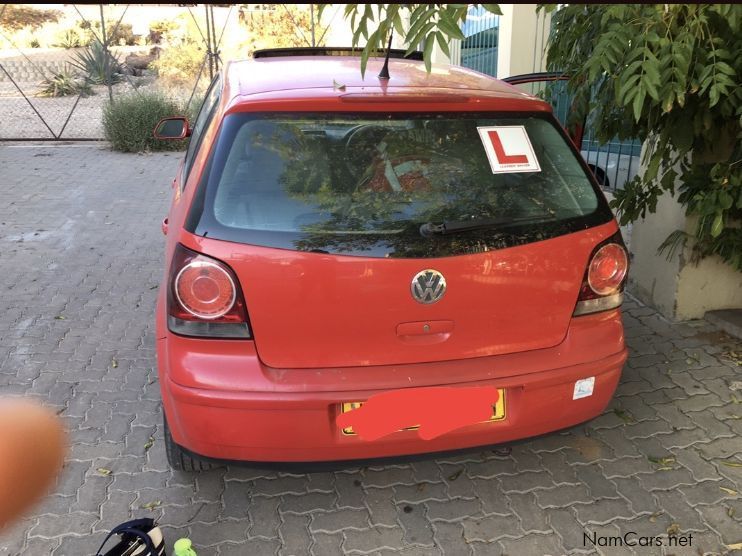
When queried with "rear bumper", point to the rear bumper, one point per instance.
{"points": [[301, 427], [269, 415]]}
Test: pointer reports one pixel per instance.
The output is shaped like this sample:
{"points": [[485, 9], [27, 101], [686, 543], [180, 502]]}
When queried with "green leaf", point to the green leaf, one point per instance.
{"points": [[362, 30], [725, 200], [627, 86], [624, 415], [651, 89], [723, 67], [417, 21], [725, 80], [495, 8], [364, 61], [639, 103], [636, 54], [428, 53], [663, 461], [371, 47], [398, 25], [150, 442], [682, 136], [652, 70], [714, 95], [676, 240], [443, 43], [718, 225], [653, 166], [609, 59], [631, 69], [459, 14], [422, 35], [449, 27], [668, 101]]}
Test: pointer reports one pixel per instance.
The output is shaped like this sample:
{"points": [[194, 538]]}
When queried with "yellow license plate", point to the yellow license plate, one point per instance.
{"points": [[498, 412]]}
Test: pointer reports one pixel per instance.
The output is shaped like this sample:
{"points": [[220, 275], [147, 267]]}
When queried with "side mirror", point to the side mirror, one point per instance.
{"points": [[173, 128]]}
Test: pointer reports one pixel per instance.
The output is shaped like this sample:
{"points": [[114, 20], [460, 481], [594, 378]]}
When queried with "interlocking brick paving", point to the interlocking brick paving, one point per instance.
{"points": [[80, 260]]}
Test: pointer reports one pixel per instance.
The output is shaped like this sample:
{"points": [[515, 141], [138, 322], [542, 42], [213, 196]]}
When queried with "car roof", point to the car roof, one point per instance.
{"points": [[322, 76]]}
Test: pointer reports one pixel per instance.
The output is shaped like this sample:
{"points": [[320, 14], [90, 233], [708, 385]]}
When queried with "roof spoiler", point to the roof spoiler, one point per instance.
{"points": [[331, 51]]}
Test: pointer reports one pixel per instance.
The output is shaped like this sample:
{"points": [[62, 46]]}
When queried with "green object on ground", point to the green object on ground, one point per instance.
{"points": [[182, 547]]}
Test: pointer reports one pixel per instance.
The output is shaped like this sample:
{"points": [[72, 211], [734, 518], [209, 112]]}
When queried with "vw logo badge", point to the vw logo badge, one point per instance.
{"points": [[428, 286]]}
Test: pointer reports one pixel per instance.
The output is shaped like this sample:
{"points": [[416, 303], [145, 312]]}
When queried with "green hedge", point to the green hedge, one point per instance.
{"points": [[128, 122]]}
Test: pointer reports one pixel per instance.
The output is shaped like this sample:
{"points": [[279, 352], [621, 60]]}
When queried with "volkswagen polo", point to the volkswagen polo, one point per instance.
{"points": [[363, 267]]}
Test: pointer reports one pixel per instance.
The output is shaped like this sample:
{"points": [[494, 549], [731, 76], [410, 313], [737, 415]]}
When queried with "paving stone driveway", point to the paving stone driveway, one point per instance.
{"points": [[80, 249]]}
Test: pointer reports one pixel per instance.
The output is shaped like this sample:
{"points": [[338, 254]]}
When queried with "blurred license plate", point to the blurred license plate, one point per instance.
{"points": [[498, 412]]}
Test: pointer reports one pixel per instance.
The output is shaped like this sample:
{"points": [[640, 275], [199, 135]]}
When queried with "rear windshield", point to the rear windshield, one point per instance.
{"points": [[393, 185]]}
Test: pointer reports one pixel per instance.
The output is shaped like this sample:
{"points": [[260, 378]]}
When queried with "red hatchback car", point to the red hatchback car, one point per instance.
{"points": [[362, 267]]}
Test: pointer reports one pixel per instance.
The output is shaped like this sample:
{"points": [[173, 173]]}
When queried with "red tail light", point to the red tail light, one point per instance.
{"points": [[205, 289], [607, 269], [602, 286], [204, 298]]}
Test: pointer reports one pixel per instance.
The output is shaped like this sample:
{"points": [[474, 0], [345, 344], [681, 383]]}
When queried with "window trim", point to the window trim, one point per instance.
{"points": [[188, 160]]}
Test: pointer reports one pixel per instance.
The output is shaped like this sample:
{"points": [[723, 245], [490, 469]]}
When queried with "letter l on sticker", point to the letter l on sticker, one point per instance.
{"points": [[508, 149]]}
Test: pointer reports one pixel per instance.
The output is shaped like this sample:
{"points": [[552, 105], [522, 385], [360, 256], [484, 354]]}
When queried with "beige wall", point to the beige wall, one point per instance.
{"points": [[680, 289], [711, 285], [654, 279], [522, 40]]}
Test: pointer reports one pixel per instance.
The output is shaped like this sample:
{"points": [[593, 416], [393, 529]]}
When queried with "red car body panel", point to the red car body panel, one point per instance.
{"points": [[330, 329], [223, 402], [320, 310]]}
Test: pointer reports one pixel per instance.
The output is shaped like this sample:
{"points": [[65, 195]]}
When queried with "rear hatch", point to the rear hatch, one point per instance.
{"points": [[377, 239]]}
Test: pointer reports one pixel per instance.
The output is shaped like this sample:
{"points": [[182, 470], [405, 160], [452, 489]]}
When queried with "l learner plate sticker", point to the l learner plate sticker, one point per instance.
{"points": [[508, 149]]}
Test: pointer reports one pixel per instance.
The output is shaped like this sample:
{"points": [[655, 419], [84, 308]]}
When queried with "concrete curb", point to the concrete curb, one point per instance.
{"points": [[729, 320]]}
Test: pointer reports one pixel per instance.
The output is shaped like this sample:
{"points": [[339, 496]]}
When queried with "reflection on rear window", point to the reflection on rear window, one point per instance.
{"points": [[353, 175]]}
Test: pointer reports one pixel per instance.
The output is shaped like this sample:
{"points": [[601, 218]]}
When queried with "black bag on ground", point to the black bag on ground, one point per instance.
{"points": [[139, 537]]}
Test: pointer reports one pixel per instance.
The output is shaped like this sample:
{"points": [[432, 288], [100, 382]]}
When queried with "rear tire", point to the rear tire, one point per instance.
{"points": [[178, 458]]}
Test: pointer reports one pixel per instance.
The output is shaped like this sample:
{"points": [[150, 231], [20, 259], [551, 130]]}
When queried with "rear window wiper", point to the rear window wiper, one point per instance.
{"points": [[430, 229]]}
